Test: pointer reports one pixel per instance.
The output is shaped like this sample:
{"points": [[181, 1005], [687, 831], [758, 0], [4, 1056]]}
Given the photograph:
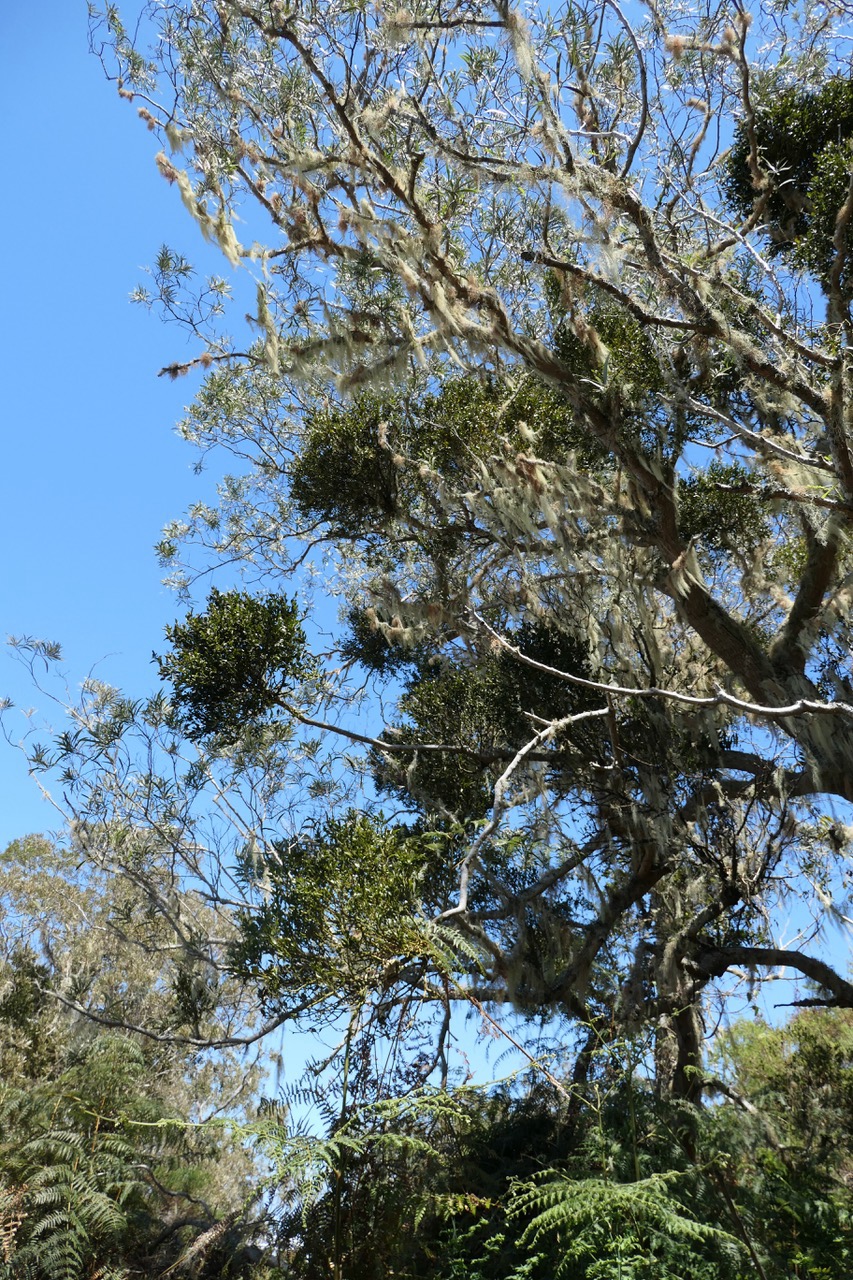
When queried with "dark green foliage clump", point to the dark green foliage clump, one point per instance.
{"points": [[354, 470], [632, 367], [489, 708], [340, 906], [613, 363], [803, 139], [343, 476], [366, 644], [719, 509], [231, 664]]}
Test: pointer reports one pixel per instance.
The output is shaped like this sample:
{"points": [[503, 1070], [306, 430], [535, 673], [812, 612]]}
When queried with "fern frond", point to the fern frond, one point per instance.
{"points": [[570, 1213]]}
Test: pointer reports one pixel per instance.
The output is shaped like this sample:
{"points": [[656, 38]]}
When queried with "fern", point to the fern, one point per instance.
{"points": [[634, 1224], [76, 1177], [304, 1161]]}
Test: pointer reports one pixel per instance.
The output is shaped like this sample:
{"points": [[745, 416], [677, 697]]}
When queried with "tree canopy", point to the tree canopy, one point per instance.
{"points": [[547, 385]]}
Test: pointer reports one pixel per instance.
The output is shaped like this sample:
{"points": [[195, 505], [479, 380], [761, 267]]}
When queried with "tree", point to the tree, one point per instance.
{"points": [[548, 383], [107, 1164], [561, 388]]}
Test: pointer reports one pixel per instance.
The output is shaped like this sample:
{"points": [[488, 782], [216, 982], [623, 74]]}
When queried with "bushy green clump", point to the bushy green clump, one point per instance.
{"points": [[343, 476], [631, 366], [355, 473], [232, 663], [341, 904], [488, 708], [719, 509], [804, 141]]}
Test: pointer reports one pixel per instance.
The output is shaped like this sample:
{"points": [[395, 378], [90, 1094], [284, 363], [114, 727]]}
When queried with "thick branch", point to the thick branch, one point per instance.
{"points": [[713, 962]]}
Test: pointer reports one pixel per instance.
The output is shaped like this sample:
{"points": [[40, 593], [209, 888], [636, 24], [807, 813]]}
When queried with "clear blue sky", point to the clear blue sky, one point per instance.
{"points": [[92, 468]]}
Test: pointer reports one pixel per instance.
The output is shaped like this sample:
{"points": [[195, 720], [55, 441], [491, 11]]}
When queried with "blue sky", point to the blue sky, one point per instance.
{"points": [[92, 467]]}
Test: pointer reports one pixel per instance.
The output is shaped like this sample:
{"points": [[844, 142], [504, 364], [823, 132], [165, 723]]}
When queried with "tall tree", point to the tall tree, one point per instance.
{"points": [[554, 365]]}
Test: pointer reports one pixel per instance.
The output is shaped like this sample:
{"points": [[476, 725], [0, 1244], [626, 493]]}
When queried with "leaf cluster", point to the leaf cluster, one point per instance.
{"points": [[803, 138], [488, 707], [719, 508], [351, 471], [232, 663], [338, 906], [628, 366]]}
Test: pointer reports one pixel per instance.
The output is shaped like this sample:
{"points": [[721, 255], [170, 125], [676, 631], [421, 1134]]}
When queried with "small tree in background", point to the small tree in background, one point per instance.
{"points": [[109, 1164]]}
